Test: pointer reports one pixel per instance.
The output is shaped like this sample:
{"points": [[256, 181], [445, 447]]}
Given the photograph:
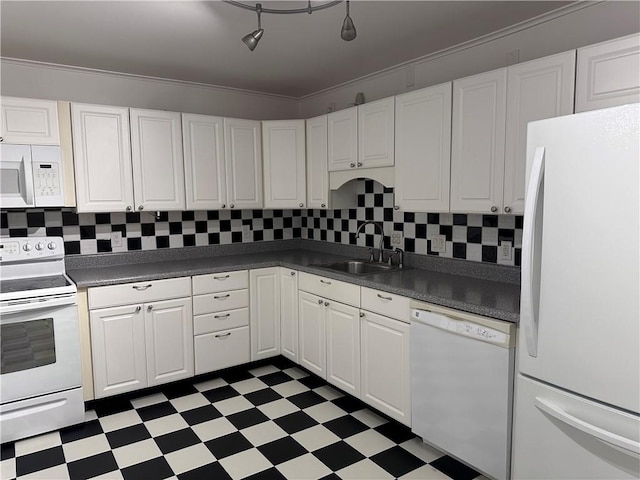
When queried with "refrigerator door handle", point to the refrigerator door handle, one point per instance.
{"points": [[622, 444], [532, 222]]}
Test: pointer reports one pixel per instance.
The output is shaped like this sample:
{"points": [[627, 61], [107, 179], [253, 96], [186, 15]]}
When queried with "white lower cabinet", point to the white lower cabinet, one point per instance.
{"points": [[264, 308], [289, 313], [141, 345], [312, 337], [385, 365], [221, 349], [343, 346]]}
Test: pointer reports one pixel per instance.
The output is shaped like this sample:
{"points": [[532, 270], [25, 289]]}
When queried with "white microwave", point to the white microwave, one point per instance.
{"points": [[30, 176]]}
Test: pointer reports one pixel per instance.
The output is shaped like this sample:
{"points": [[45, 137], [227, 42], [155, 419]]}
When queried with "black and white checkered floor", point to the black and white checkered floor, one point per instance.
{"points": [[272, 421]]}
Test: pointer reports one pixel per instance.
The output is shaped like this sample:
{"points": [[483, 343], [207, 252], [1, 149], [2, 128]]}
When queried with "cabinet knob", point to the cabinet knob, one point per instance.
{"points": [[361, 314], [326, 304], [494, 209], [128, 208], [507, 209], [141, 207], [231, 205], [138, 308], [224, 205], [352, 165], [396, 207], [359, 164], [319, 302], [301, 205], [323, 205], [1, 139], [149, 308], [293, 274]]}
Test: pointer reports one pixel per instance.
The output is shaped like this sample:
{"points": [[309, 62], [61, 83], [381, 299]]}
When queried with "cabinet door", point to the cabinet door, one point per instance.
{"points": [[535, 90], [243, 163], [264, 311], [477, 147], [342, 138], [423, 149], [608, 74], [118, 350], [284, 164], [317, 169], [385, 365], [205, 180], [312, 333], [102, 156], [289, 313], [375, 133], [343, 346], [156, 152], [169, 340], [27, 121]]}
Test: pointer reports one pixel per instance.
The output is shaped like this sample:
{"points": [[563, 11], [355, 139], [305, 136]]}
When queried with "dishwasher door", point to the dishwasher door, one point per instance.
{"points": [[462, 369]]}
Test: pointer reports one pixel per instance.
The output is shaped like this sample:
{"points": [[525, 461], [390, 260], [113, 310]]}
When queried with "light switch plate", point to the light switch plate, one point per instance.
{"points": [[504, 250], [439, 243], [397, 239], [116, 239]]}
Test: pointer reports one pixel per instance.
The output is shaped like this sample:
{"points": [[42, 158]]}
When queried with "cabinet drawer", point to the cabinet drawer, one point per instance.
{"points": [[387, 304], [220, 282], [214, 351], [329, 288], [220, 302], [139, 292], [213, 322]]}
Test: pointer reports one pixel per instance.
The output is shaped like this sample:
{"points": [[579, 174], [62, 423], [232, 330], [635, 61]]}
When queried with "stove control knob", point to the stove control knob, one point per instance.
{"points": [[27, 247], [39, 246], [52, 246]]}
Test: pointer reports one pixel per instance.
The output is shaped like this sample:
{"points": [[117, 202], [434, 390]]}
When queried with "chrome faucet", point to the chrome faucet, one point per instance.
{"points": [[378, 225]]}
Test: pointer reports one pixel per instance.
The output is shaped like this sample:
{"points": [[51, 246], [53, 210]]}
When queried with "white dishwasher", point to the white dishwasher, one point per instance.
{"points": [[462, 368]]}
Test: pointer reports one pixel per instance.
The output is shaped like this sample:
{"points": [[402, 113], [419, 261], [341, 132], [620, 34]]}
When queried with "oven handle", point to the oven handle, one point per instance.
{"points": [[14, 307]]}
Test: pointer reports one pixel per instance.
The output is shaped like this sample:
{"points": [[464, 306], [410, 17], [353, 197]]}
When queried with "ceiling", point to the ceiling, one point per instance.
{"points": [[199, 41]]}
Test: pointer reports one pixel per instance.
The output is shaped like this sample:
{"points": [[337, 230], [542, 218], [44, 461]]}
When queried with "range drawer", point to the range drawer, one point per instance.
{"points": [[220, 302], [214, 322], [220, 282], [387, 304], [329, 288], [214, 351], [139, 292]]}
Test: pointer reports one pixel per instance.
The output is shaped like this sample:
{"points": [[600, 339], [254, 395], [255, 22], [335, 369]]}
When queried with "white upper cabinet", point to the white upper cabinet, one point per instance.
{"points": [[204, 170], [477, 147], [375, 134], [283, 147], [317, 169], [243, 163], [608, 74], [156, 152], [102, 157], [536, 90], [29, 121], [423, 149], [342, 138]]}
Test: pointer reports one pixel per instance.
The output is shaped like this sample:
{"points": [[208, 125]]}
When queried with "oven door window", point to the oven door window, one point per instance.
{"points": [[27, 345]]}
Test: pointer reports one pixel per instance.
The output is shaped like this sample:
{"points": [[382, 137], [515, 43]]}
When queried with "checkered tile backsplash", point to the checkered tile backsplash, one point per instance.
{"points": [[471, 237]]}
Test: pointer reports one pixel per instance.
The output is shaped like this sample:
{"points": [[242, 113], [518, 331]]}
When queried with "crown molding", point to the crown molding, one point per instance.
{"points": [[510, 30], [145, 78]]}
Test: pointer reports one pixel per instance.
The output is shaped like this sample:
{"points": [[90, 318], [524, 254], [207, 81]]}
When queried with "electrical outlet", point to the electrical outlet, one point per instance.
{"points": [[116, 239], [246, 232], [504, 250], [397, 239], [439, 243]]}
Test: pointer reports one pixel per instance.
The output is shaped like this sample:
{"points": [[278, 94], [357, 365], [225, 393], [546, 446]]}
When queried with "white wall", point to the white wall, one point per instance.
{"points": [[593, 24], [31, 80]]}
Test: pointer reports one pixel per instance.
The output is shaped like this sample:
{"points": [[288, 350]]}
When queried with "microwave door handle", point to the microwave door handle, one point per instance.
{"points": [[28, 181]]}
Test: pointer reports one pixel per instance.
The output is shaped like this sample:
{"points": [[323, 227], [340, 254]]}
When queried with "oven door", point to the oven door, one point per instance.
{"points": [[40, 347], [16, 177]]}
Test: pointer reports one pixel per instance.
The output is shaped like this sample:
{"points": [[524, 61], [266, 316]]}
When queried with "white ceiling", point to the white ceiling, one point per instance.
{"points": [[199, 41]]}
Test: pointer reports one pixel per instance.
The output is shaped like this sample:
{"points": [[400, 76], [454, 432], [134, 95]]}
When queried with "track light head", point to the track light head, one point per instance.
{"points": [[251, 39], [348, 31]]}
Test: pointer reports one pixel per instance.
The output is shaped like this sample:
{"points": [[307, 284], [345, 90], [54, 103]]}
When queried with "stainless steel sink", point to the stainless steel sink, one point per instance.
{"points": [[359, 267]]}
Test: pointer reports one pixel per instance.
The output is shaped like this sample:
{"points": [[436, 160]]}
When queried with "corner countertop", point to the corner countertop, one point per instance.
{"points": [[488, 297]]}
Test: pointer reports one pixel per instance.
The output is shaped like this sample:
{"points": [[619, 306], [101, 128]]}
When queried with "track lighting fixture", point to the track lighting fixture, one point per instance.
{"points": [[347, 33]]}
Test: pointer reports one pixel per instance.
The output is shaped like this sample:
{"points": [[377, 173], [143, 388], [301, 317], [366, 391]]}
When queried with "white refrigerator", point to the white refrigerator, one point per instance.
{"points": [[577, 399]]}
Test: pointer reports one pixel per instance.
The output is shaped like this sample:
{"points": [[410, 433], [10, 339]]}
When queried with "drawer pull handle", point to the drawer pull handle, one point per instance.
{"points": [[142, 287], [325, 282], [222, 277], [221, 297], [226, 315], [384, 298], [225, 335]]}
